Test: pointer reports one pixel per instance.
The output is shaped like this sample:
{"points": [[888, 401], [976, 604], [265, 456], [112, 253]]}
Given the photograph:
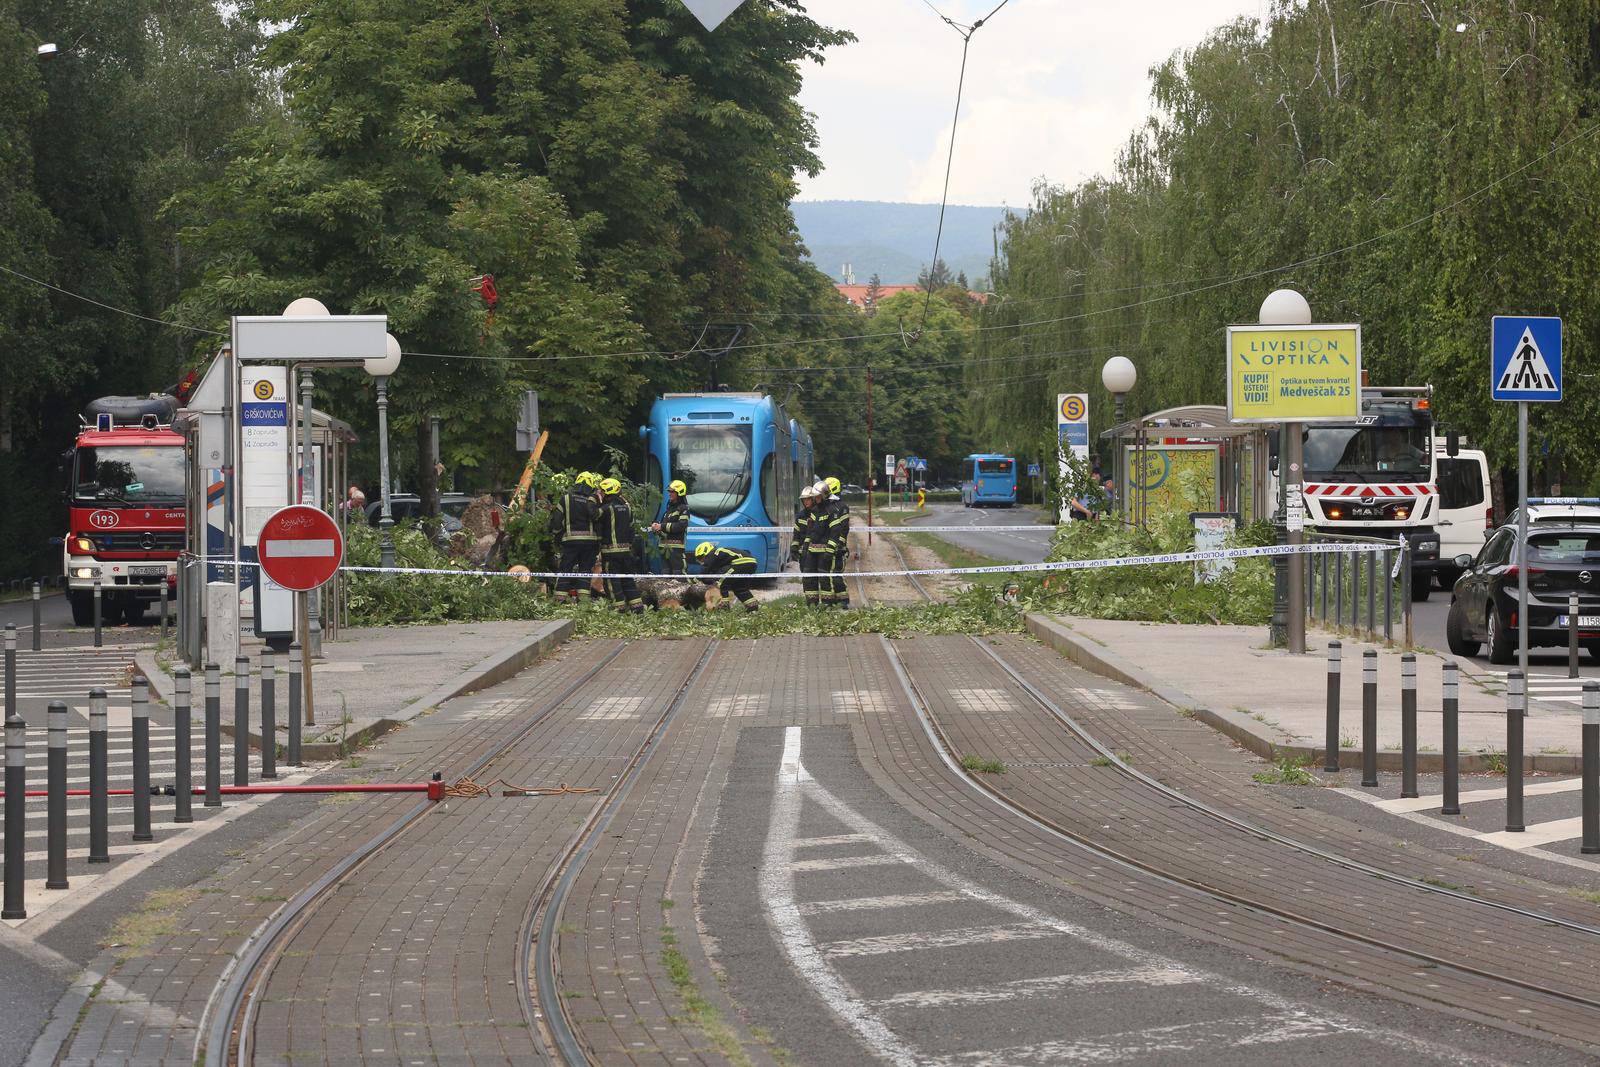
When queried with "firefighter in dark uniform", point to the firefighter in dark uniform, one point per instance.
{"points": [[731, 565], [614, 524], [839, 529], [819, 550], [674, 528], [805, 520], [573, 523]]}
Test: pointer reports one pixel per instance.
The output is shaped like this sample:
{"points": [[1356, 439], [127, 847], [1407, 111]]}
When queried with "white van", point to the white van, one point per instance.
{"points": [[1466, 510]]}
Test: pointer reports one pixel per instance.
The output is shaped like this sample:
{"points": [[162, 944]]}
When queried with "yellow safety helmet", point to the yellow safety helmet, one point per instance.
{"points": [[833, 485], [678, 487], [611, 487], [589, 478], [703, 549]]}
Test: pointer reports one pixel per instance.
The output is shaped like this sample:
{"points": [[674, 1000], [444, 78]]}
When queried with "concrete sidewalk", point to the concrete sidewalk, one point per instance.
{"points": [[376, 678], [1273, 702]]}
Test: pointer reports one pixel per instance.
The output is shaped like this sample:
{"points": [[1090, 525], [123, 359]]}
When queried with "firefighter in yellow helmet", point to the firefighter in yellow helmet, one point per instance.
{"points": [[838, 513], [731, 565], [573, 523], [673, 527], [614, 524]]}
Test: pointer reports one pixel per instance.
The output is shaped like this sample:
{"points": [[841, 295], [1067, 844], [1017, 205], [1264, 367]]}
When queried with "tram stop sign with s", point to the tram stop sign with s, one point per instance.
{"points": [[300, 547]]}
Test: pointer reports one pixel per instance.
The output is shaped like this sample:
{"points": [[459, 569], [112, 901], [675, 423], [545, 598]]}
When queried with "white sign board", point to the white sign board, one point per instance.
{"points": [[1294, 508], [310, 338], [263, 447], [888, 466], [1211, 533], [1072, 431]]}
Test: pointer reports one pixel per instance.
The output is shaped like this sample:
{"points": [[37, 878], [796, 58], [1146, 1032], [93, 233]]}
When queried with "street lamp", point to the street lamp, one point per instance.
{"points": [[1286, 307], [1118, 375], [380, 369], [48, 50]]}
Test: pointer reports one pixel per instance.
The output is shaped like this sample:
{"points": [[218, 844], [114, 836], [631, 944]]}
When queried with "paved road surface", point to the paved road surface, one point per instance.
{"points": [[1547, 667], [59, 632], [1024, 546]]}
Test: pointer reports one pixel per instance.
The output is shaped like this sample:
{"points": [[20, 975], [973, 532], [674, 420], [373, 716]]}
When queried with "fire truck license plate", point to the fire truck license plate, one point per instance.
{"points": [[146, 572], [1584, 621]]}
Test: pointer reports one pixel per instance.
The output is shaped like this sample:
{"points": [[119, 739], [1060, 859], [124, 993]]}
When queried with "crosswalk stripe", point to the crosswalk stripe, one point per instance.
{"points": [[931, 939], [1540, 833]]}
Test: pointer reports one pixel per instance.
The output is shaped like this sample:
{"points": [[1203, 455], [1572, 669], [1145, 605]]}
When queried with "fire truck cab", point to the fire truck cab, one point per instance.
{"points": [[125, 499]]}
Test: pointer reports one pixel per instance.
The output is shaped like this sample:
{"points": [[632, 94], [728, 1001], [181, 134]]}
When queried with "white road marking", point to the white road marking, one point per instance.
{"points": [[903, 900], [1038, 987], [1540, 833], [839, 863], [934, 939], [812, 960], [613, 708], [1242, 1032], [833, 839], [1475, 796]]}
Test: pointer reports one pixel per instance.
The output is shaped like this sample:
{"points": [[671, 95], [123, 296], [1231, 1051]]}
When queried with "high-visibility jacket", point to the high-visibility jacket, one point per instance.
{"points": [[574, 516], [674, 525], [839, 524], [614, 525], [723, 560], [807, 524]]}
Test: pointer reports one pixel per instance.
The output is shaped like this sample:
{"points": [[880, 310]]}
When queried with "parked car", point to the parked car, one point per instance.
{"points": [[407, 507], [1555, 513], [852, 490], [1563, 558]]}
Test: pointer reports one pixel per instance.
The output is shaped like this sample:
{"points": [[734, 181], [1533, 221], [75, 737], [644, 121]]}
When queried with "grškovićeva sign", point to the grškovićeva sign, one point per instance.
{"points": [[1294, 373]]}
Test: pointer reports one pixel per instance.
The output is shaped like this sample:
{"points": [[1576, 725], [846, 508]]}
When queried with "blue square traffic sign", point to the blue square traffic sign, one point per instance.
{"points": [[1525, 358]]}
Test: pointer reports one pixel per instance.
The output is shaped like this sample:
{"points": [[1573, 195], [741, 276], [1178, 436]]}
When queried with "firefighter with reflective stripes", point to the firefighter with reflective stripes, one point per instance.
{"points": [[614, 524], [818, 552], [839, 530], [731, 565], [573, 522], [674, 528], [806, 523]]}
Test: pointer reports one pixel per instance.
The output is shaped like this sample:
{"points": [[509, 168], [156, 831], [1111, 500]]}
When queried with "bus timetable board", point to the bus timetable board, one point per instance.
{"points": [[1294, 373]]}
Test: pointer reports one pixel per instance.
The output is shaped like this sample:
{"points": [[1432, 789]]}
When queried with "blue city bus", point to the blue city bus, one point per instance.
{"points": [[988, 478], [744, 462]]}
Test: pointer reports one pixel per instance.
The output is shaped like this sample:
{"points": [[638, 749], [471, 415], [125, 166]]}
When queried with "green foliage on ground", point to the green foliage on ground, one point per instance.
{"points": [[1164, 592], [974, 612], [1287, 770]]}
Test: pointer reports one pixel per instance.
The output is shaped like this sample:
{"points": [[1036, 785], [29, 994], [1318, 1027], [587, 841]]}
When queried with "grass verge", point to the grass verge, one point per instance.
{"points": [[700, 1011]]}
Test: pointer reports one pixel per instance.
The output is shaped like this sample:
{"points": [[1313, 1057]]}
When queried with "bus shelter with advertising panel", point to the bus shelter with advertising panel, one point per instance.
{"points": [[1152, 453]]}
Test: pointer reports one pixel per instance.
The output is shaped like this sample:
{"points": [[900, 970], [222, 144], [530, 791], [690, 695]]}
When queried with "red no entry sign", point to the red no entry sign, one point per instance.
{"points": [[300, 547]]}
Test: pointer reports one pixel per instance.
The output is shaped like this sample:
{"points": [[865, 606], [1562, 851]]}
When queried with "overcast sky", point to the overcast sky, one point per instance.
{"points": [[1053, 88]]}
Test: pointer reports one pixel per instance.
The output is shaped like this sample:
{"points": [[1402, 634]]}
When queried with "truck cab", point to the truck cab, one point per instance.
{"points": [[1378, 476], [125, 499]]}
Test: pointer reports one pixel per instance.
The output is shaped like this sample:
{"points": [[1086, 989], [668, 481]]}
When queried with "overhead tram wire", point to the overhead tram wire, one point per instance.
{"points": [[108, 307]]}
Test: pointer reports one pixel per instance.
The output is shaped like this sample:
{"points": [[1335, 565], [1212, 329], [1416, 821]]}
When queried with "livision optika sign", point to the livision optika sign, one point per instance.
{"points": [[1294, 373]]}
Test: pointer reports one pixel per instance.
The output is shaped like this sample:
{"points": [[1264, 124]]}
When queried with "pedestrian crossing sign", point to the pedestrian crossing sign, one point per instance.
{"points": [[1525, 358]]}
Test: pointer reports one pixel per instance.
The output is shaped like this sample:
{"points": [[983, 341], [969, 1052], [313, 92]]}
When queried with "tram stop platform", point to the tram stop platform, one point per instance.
{"points": [[1274, 703]]}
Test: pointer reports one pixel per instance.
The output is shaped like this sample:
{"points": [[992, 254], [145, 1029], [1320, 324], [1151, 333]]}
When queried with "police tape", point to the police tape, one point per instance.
{"points": [[1259, 551], [713, 531]]}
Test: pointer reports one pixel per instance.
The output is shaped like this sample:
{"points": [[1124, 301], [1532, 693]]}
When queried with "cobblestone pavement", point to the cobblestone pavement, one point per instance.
{"points": [[796, 875]]}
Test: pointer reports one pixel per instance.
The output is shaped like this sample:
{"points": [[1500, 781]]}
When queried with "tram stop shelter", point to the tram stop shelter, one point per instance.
{"points": [[1191, 458]]}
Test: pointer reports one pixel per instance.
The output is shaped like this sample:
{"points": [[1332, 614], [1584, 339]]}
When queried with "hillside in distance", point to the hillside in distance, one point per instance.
{"points": [[895, 240]]}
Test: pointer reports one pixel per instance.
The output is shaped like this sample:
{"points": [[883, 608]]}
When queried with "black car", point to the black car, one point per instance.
{"points": [[1563, 558]]}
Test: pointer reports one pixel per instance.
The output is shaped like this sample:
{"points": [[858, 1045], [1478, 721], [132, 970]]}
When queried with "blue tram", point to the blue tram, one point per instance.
{"points": [[988, 478], [744, 462]]}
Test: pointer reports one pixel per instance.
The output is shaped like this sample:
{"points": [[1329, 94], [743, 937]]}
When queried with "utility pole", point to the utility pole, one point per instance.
{"points": [[871, 458]]}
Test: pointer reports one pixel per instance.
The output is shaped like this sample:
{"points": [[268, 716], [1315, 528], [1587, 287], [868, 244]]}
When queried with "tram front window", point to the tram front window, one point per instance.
{"points": [[714, 462]]}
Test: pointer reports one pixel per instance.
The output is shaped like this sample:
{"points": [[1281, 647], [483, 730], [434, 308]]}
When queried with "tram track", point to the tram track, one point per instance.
{"points": [[227, 1030], [1129, 859]]}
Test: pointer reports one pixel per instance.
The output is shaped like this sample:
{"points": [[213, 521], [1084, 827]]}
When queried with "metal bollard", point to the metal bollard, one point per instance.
{"points": [[1338, 590], [1452, 740], [1572, 635], [1330, 761], [213, 736], [1369, 718], [16, 815], [55, 802], [11, 668], [1591, 768], [294, 705], [183, 777], [269, 717], [38, 630], [141, 759], [1408, 725], [1516, 709], [99, 772], [241, 720], [97, 612], [164, 603]]}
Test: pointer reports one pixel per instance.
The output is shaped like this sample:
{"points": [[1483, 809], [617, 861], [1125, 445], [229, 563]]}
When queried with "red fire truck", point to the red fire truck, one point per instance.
{"points": [[125, 496]]}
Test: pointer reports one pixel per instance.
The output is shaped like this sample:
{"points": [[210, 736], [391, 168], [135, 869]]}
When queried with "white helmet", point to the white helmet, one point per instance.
{"points": [[807, 492], [820, 489]]}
